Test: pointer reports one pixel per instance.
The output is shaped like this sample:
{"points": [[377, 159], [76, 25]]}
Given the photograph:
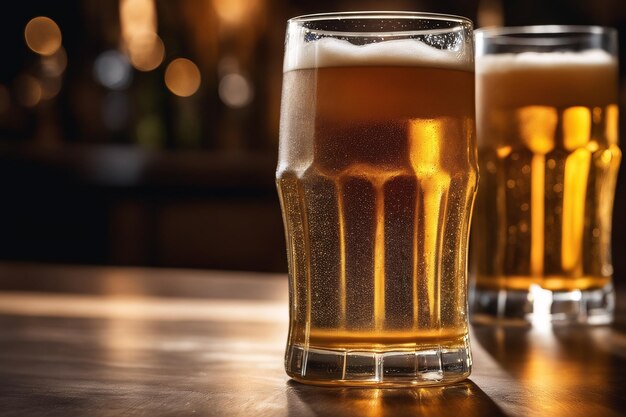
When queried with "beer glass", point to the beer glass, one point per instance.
{"points": [[376, 176], [548, 151]]}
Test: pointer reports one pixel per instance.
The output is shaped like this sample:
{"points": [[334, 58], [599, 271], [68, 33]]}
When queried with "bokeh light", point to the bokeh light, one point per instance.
{"points": [[112, 70], [235, 90], [235, 11], [28, 90], [137, 17], [43, 35], [140, 41], [146, 51], [182, 77], [54, 65]]}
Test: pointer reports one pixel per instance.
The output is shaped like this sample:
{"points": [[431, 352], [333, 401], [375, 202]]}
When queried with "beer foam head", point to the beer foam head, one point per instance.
{"points": [[543, 61], [547, 78], [333, 52]]}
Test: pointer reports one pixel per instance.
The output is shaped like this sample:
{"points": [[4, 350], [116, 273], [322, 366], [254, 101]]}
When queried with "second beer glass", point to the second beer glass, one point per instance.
{"points": [[377, 173], [547, 134]]}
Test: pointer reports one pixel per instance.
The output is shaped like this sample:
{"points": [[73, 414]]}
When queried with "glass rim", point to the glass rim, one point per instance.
{"points": [[546, 33], [316, 17]]}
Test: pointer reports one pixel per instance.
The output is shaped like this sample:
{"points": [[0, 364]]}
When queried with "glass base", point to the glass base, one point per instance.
{"points": [[434, 366], [540, 306]]}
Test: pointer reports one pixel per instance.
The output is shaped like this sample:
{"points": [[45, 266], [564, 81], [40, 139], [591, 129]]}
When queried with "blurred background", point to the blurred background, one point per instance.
{"points": [[145, 132]]}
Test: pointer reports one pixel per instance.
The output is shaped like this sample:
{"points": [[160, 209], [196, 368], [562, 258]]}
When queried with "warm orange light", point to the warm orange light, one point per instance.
{"points": [[137, 17], [143, 308], [28, 90], [42, 35], [138, 23], [182, 77], [146, 51], [235, 11]]}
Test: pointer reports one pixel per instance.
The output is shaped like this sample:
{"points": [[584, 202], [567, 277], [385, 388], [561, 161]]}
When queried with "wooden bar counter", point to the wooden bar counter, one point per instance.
{"points": [[96, 341]]}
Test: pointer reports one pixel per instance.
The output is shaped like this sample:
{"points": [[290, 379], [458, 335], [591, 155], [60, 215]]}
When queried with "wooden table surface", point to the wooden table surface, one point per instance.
{"points": [[91, 341]]}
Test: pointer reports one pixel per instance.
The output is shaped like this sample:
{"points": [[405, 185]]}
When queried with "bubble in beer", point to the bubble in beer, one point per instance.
{"points": [[503, 151], [523, 227], [593, 146]]}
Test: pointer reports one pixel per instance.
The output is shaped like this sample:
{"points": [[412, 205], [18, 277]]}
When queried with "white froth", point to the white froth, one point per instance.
{"points": [[332, 52], [503, 63]]}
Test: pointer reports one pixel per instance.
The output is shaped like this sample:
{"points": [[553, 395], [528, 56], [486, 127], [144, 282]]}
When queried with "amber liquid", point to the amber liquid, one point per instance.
{"points": [[548, 162], [376, 176]]}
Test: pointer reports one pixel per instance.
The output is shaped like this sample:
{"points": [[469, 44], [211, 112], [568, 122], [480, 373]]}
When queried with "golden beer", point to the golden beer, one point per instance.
{"points": [[376, 178], [549, 156]]}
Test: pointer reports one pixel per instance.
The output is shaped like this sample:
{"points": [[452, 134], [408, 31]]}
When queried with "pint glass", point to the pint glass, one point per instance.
{"points": [[548, 151], [376, 176]]}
